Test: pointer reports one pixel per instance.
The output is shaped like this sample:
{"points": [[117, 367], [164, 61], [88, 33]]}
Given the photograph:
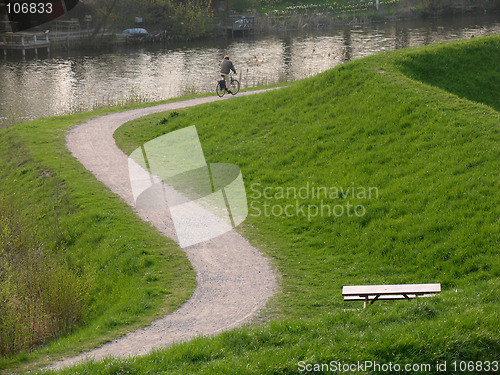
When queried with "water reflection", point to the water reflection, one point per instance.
{"points": [[60, 84]]}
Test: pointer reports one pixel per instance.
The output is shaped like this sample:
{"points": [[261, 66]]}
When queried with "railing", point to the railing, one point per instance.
{"points": [[23, 41]]}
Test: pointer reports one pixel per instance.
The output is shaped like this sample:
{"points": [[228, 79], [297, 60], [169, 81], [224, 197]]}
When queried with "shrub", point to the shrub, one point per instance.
{"points": [[40, 297]]}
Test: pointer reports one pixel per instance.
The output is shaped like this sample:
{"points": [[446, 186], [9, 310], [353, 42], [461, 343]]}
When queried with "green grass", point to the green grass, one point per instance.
{"points": [[133, 273], [464, 71], [430, 150]]}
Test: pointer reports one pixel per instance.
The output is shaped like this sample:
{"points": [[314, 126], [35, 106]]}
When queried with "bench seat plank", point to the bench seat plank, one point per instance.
{"points": [[373, 293]]}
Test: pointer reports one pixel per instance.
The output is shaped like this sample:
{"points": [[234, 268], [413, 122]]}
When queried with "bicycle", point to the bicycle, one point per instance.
{"points": [[234, 87]]}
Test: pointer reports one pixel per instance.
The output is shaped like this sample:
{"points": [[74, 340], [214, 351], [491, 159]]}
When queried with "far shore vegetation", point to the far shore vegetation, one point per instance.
{"points": [[181, 20], [193, 19]]}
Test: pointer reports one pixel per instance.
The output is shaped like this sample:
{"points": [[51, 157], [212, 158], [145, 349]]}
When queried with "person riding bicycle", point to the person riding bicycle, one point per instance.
{"points": [[226, 66]]}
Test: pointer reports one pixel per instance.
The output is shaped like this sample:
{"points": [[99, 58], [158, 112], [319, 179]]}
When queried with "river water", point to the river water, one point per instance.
{"points": [[75, 81]]}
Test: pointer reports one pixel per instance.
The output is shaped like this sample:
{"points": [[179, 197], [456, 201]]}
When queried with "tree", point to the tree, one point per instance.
{"points": [[185, 19], [102, 10]]}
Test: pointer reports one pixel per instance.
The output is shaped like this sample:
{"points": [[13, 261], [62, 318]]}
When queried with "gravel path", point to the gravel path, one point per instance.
{"points": [[234, 280]]}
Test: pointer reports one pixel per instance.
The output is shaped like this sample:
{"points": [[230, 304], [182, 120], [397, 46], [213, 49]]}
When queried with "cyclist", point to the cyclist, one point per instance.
{"points": [[226, 66]]}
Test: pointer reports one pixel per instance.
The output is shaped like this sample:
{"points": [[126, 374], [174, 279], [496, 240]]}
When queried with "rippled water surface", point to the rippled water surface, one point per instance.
{"points": [[64, 83]]}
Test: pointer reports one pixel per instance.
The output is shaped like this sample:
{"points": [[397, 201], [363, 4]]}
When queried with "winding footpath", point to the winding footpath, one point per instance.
{"points": [[234, 280]]}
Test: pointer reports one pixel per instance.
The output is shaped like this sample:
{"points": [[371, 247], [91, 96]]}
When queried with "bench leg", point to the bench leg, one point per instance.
{"points": [[364, 302], [376, 298]]}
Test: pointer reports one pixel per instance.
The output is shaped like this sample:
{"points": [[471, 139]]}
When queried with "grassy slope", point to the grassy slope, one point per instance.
{"points": [[434, 159], [464, 71], [133, 273]]}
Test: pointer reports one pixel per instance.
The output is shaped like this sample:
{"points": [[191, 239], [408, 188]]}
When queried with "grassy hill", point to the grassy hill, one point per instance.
{"points": [[403, 151], [421, 128], [71, 235]]}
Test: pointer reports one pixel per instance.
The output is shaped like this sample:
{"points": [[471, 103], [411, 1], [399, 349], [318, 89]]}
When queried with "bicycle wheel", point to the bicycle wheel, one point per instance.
{"points": [[234, 86], [219, 90]]}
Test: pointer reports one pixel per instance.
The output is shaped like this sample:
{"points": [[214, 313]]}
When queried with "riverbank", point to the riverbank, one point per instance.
{"points": [[277, 17], [313, 15], [425, 136], [78, 81], [76, 232], [130, 273]]}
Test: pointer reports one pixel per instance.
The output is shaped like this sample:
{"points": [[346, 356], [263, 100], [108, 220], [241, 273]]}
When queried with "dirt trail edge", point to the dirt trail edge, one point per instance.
{"points": [[234, 280]]}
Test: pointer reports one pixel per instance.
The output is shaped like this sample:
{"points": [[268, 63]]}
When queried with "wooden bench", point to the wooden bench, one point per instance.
{"points": [[388, 292]]}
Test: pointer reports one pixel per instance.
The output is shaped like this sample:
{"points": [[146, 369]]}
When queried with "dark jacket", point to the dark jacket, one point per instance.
{"points": [[226, 66]]}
